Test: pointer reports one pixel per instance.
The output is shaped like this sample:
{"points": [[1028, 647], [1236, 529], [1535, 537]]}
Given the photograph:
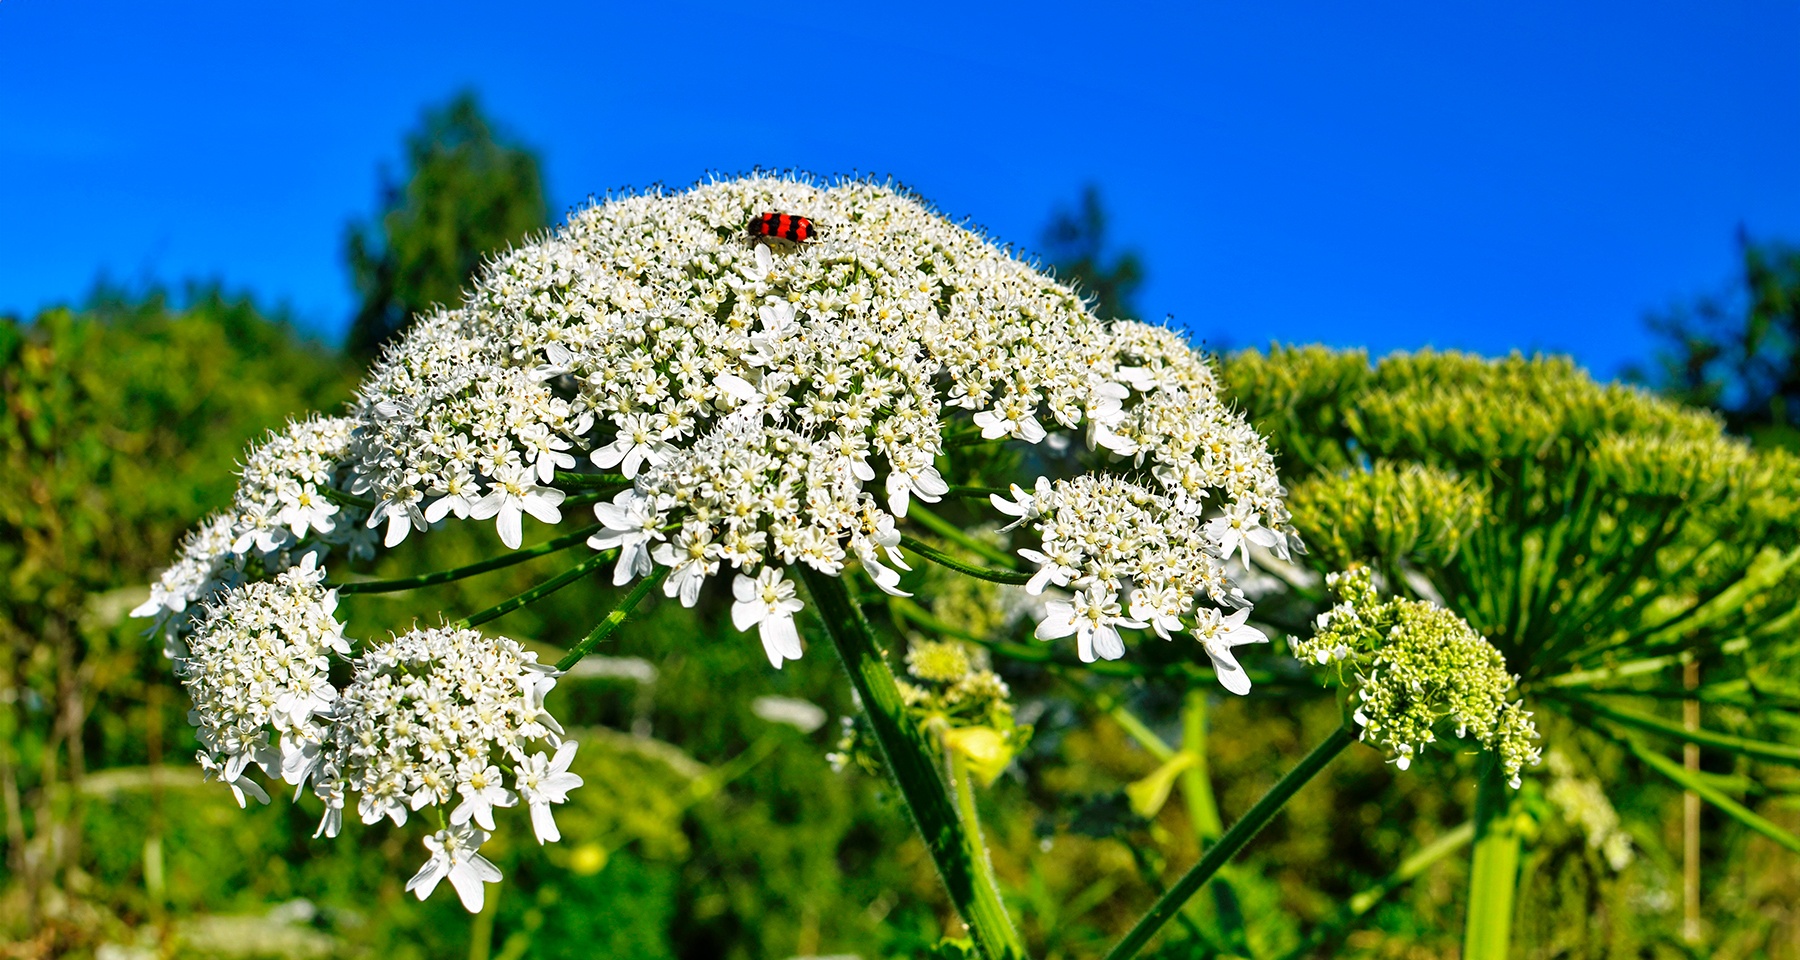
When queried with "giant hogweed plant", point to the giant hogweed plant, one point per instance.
{"points": [[1600, 538], [774, 423]]}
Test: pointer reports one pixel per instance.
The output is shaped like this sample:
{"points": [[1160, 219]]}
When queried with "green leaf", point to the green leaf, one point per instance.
{"points": [[1706, 791], [1761, 749]]}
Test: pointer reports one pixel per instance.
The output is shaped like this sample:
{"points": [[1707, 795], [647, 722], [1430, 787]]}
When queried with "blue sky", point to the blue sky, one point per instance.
{"points": [[1486, 176]]}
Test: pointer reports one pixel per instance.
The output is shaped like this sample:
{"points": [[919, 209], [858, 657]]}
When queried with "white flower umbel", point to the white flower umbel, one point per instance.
{"points": [[766, 408], [281, 510], [427, 715], [782, 406], [258, 669]]}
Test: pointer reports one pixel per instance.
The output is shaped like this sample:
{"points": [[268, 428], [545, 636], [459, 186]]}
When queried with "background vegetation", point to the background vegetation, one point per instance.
{"points": [[705, 830]]}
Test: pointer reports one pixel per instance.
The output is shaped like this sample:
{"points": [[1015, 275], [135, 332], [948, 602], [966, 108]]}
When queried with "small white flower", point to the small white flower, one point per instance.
{"points": [[693, 557], [455, 854], [543, 781], [632, 524], [1093, 615], [1161, 608], [1012, 417], [1239, 528], [460, 497], [305, 508], [544, 450], [1057, 569], [402, 513], [639, 442], [511, 494], [1023, 506], [1218, 634], [767, 602], [481, 793], [914, 477]]}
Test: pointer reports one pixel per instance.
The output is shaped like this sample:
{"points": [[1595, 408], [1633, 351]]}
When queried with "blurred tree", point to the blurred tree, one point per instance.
{"points": [[469, 191], [1075, 243], [1739, 352], [117, 426]]}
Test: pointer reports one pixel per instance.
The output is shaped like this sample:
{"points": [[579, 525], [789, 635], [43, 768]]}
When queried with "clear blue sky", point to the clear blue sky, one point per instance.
{"points": [[1475, 175]]}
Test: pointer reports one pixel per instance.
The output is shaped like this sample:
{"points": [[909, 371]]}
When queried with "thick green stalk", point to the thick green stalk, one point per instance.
{"points": [[1494, 874], [1241, 832], [961, 864]]}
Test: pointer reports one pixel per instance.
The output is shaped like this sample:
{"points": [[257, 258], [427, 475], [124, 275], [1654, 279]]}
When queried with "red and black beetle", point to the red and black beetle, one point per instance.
{"points": [[783, 226]]}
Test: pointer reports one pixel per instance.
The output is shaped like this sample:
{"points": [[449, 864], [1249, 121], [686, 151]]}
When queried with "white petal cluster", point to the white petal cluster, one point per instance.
{"points": [[281, 508], [1133, 557], [770, 405], [446, 718], [258, 670], [437, 718]]}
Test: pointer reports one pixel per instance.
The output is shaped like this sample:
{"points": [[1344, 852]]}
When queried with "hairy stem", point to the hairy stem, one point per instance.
{"points": [[445, 576], [613, 619], [910, 758], [951, 532], [1234, 840], [943, 559], [538, 592]]}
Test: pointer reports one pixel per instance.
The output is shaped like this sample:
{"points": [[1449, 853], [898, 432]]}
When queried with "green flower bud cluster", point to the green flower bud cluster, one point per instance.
{"points": [[1417, 668], [1411, 513], [956, 698]]}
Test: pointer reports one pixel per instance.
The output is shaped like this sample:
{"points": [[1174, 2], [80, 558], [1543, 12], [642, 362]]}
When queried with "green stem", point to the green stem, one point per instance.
{"points": [[1234, 840], [1494, 872], [951, 532], [962, 783], [614, 619], [588, 481], [1761, 749], [458, 573], [538, 592], [1196, 781], [941, 558], [910, 758]]}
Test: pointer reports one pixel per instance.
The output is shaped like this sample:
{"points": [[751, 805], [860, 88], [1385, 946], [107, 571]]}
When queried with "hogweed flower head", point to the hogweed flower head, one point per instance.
{"points": [[751, 410], [783, 407], [1417, 669]]}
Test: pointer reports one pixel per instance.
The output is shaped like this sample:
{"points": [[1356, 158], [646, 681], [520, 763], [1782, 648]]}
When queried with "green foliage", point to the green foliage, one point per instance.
{"points": [[469, 192], [1624, 534], [120, 422]]}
